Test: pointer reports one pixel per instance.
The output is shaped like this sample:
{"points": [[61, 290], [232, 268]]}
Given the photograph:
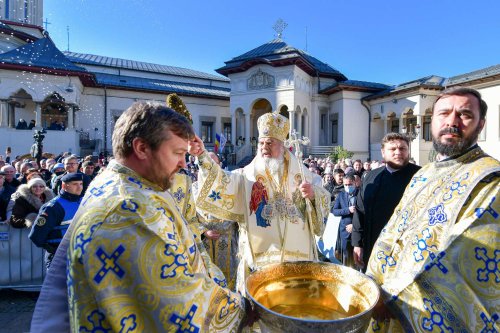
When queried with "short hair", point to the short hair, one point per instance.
{"points": [[148, 121], [394, 136], [87, 163], [349, 176], [69, 158], [462, 91], [337, 171]]}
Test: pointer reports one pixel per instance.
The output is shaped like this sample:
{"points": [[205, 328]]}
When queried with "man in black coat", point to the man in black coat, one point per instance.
{"points": [[380, 193]]}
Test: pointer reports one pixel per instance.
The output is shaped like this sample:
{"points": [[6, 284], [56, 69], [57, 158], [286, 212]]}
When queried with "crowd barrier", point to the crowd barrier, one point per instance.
{"points": [[21, 262]]}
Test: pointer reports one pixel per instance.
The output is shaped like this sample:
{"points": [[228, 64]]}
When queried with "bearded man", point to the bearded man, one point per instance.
{"points": [[260, 197], [380, 193], [437, 259], [133, 262]]}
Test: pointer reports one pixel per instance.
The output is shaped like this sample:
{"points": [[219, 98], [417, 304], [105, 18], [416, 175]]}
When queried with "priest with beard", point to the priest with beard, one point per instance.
{"points": [[274, 223], [436, 261]]}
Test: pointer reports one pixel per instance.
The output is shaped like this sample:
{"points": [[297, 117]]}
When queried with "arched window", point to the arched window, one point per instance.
{"points": [[54, 113]]}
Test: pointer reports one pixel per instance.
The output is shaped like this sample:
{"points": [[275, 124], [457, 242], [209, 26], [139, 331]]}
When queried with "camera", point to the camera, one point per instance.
{"points": [[39, 135]]}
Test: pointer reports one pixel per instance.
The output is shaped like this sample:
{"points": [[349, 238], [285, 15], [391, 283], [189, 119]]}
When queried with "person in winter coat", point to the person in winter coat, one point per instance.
{"points": [[26, 202], [56, 215]]}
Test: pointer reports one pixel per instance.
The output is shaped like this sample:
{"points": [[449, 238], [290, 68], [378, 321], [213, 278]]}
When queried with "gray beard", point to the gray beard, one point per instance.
{"points": [[274, 165]]}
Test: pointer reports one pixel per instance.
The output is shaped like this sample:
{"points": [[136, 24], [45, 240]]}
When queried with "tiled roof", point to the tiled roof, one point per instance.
{"points": [[359, 84], [427, 82], [276, 50], [90, 59], [41, 54], [138, 83], [276, 46], [479, 74]]}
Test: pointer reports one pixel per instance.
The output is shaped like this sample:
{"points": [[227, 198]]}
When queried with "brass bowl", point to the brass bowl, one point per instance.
{"points": [[309, 297]]}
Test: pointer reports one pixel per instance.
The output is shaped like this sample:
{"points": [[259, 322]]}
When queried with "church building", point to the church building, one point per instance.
{"points": [[77, 97]]}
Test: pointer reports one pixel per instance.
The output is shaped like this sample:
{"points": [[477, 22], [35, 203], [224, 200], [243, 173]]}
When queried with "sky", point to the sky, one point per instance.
{"points": [[386, 41]]}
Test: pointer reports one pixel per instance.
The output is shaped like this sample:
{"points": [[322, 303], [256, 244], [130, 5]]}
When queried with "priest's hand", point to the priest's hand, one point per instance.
{"points": [[358, 256], [307, 190], [196, 146]]}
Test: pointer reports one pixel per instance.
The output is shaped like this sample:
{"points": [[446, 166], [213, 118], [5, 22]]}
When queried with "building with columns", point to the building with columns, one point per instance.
{"points": [[84, 95]]}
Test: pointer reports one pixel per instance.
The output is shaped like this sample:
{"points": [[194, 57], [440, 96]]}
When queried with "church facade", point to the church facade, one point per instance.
{"points": [[78, 97]]}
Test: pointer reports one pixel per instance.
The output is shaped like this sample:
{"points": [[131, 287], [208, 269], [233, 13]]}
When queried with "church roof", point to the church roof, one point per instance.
{"points": [[181, 88], [278, 53], [355, 85], [429, 82], [96, 60], [41, 54], [480, 74]]}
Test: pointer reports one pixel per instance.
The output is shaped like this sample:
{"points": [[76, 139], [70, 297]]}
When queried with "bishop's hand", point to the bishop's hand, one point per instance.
{"points": [[196, 146], [307, 190]]}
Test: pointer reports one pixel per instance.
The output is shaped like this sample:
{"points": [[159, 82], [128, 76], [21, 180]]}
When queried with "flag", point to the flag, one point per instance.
{"points": [[217, 143], [222, 141]]}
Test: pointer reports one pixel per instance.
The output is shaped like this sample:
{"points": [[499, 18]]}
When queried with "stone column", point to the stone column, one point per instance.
{"points": [[233, 129], [38, 114], [300, 128], [4, 113], [11, 118], [71, 116], [247, 135], [291, 117]]}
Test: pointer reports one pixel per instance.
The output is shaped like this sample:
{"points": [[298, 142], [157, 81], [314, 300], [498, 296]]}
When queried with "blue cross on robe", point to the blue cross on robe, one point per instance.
{"points": [[109, 263]]}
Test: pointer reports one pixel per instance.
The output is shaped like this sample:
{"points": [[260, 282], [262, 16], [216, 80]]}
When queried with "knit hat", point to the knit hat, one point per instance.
{"points": [[57, 166], [36, 181]]}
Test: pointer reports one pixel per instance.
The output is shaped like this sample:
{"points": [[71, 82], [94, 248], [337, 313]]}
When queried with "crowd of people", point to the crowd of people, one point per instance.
{"points": [[156, 242]]}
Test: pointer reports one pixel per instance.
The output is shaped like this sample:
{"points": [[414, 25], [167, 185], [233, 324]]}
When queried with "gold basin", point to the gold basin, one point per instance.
{"points": [[312, 297]]}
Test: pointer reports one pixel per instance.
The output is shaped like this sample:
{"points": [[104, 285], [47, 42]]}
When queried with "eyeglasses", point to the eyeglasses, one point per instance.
{"points": [[71, 163]]}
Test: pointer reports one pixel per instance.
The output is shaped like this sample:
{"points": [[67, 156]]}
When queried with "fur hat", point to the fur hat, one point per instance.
{"points": [[36, 181]]}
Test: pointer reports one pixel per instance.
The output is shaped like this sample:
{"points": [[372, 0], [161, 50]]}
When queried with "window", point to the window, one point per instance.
{"points": [[207, 130], [226, 130], [7, 9], [323, 120], [426, 130], [394, 125], [335, 130]]}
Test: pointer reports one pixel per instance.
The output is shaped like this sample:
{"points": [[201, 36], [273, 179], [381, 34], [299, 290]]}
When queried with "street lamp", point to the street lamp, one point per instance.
{"points": [[411, 133]]}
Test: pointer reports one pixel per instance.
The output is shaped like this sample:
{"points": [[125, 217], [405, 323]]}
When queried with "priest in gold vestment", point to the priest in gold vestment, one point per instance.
{"points": [[437, 260], [134, 265], [267, 199]]}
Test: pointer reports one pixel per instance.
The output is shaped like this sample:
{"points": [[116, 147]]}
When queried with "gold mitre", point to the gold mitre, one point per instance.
{"points": [[273, 125]]}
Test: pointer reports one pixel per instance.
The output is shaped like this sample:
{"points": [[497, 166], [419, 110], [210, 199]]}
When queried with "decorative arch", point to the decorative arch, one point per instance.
{"points": [[257, 109], [426, 125], [392, 122], [54, 112], [240, 123], [409, 119]]}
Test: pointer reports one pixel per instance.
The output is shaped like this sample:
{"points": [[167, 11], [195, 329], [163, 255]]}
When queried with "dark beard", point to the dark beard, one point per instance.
{"points": [[454, 148]]}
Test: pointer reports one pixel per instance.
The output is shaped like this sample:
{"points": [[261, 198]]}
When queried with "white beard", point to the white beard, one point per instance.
{"points": [[274, 165]]}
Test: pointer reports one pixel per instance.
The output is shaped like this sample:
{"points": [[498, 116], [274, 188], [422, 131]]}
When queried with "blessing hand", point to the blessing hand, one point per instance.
{"points": [[196, 146]]}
